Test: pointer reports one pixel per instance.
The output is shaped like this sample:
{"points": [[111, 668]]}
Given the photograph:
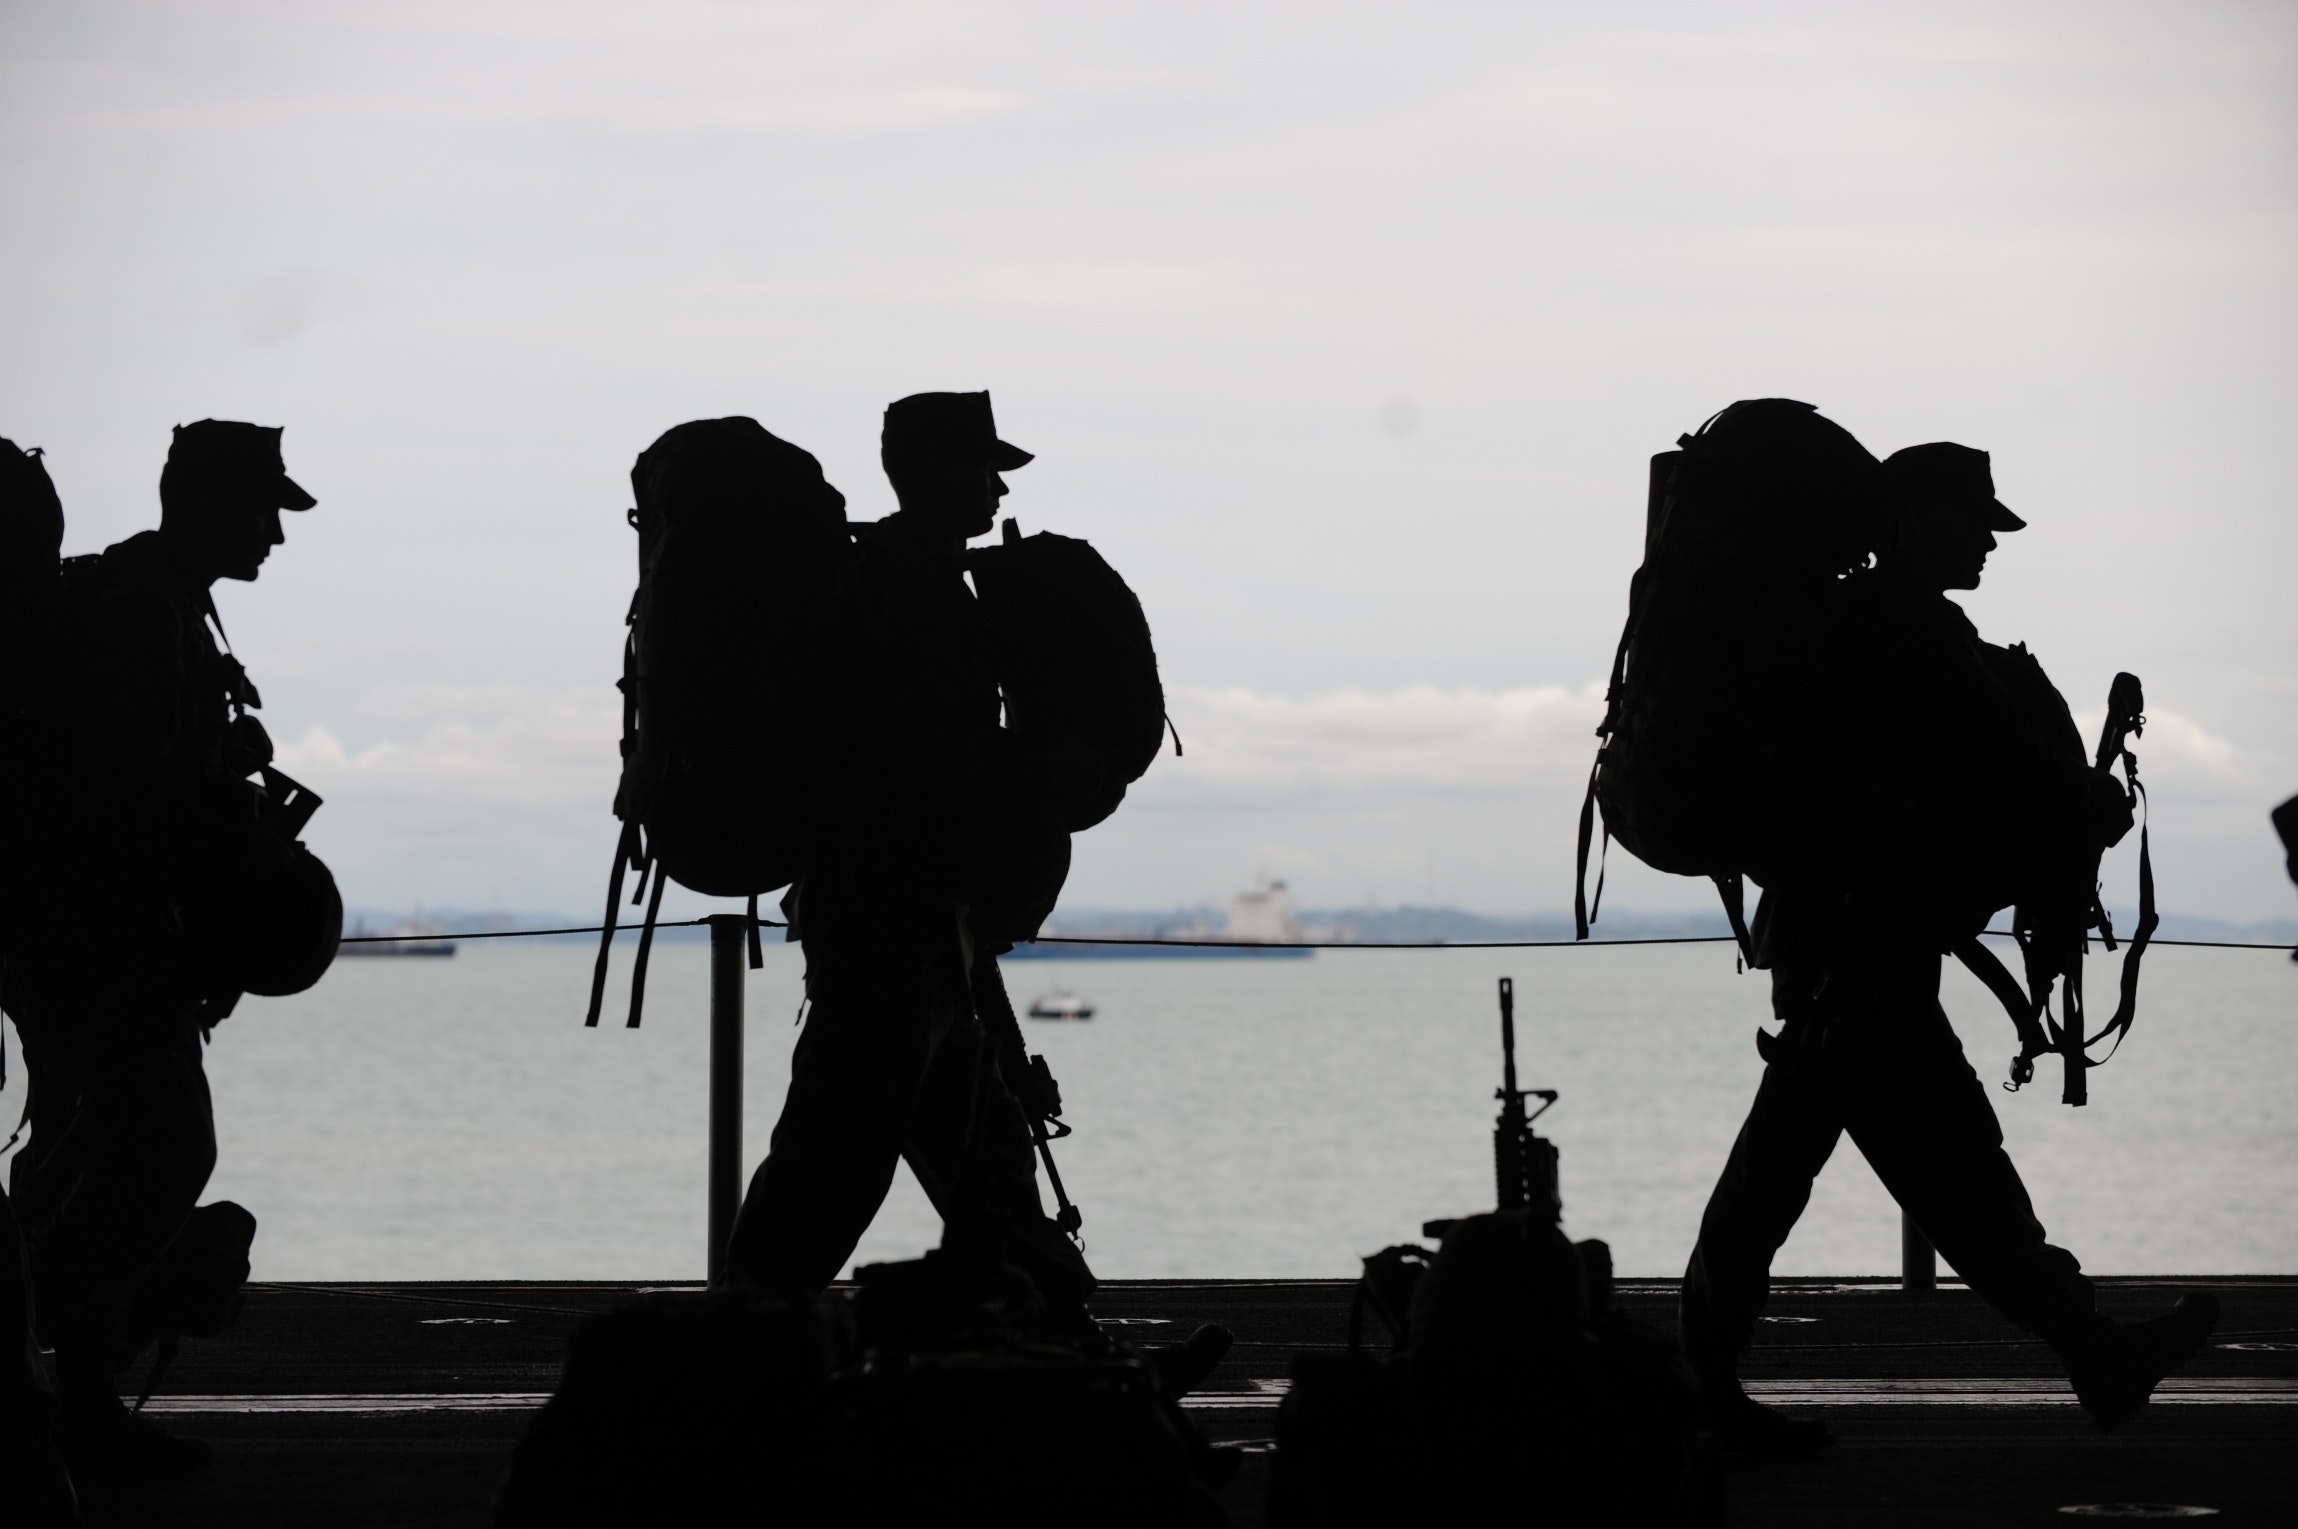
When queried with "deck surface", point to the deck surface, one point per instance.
{"points": [[397, 1404]]}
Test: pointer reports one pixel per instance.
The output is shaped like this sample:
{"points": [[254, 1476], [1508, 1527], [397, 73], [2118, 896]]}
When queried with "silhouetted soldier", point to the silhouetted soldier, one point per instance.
{"points": [[893, 1062], [118, 980], [1956, 795]]}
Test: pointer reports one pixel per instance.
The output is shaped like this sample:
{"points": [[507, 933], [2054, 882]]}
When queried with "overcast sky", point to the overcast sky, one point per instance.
{"points": [[1344, 330]]}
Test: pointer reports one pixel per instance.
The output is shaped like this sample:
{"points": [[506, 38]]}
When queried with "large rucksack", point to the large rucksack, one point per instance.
{"points": [[1709, 732], [742, 551], [1076, 667]]}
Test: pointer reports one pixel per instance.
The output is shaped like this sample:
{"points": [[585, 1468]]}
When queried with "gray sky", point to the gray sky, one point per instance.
{"points": [[1344, 330]]}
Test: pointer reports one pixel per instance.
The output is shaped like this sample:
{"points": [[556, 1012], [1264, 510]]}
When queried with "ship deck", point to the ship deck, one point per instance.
{"points": [[397, 1404]]}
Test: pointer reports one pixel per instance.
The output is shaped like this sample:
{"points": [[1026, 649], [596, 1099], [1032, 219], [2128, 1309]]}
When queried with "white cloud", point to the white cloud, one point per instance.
{"points": [[498, 795], [1421, 740]]}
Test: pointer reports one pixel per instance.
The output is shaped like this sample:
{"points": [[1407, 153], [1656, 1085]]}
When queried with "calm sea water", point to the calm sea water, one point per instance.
{"points": [[453, 1119]]}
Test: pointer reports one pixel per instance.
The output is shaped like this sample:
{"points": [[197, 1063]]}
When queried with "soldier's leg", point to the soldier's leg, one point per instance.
{"points": [[1925, 1122], [854, 1082], [38, 1484], [971, 1148], [1791, 1130], [130, 1145], [131, 1142]]}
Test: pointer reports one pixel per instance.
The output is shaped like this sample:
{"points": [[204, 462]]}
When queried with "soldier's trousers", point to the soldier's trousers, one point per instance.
{"points": [[1867, 1050], [893, 1065], [122, 1140]]}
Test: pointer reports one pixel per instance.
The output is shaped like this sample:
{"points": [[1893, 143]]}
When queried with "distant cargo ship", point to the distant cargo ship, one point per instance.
{"points": [[1258, 924], [409, 937]]}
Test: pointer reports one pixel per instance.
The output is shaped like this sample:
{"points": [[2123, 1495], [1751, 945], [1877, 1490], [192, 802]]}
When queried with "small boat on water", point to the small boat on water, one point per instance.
{"points": [[409, 937], [1061, 1003]]}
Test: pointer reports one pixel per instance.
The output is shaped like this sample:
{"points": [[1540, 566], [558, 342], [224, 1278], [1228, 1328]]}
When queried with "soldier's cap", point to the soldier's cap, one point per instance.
{"points": [[949, 427], [231, 452], [1942, 471]]}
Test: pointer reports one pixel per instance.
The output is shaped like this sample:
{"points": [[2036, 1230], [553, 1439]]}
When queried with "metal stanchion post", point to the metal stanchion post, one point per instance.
{"points": [[1918, 1260], [729, 941]]}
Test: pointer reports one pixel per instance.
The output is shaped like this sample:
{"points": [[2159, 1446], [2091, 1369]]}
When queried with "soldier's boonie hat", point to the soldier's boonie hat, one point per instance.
{"points": [[952, 427], [1958, 475], [228, 451]]}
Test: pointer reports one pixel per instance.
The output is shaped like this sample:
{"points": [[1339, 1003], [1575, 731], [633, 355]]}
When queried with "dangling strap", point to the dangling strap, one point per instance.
{"points": [[1733, 890], [625, 850], [2077, 1088], [1583, 911], [1583, 914], [757, 950], [2126, 1006], [645, 942]]}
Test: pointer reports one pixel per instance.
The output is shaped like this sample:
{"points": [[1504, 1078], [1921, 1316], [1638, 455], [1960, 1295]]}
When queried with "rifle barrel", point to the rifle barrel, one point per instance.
{"points": [[1508, 1039]]}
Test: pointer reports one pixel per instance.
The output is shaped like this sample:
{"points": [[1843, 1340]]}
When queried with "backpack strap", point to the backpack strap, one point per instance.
{"points": [[625, 853], [1583, 910], [645, 936], [1733, 890], [2126, 1005]]}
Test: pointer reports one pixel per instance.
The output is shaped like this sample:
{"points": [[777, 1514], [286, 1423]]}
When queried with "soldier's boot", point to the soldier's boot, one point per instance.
{"points": [[2116, 1367], [100, 1439], [1747, 1427], [1182, 1367], [38, 1484]]}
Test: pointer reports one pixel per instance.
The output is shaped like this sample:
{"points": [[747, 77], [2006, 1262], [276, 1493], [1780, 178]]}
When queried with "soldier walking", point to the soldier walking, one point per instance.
{"points": [[932, 850], [1954, 795], [148, 831]]}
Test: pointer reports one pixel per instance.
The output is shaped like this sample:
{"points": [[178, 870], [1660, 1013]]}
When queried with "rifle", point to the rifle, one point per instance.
{"points": [[1029, 1077], [1523, 1162], [2053, 942]]}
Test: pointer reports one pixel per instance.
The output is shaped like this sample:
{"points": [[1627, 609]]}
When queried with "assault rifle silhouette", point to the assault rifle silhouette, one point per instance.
{"points": [[1523, 1161], [1029, 1079]]}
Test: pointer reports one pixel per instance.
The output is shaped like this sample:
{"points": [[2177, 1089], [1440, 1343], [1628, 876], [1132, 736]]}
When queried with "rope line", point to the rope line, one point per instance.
{"points": [[1218, 944]]}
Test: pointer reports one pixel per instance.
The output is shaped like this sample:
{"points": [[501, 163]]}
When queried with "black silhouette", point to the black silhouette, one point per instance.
{"points": [[908, 1400], [938, 837], [743, 553], [1511, 1373], [1512, 1378], [2286, 826], [170, 882], [1891, 782]]}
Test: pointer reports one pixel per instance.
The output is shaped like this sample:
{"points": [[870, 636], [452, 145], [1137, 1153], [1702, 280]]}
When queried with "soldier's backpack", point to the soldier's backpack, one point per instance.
{"points": [[1707, 754], [1076, 667], [742, 550]]}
